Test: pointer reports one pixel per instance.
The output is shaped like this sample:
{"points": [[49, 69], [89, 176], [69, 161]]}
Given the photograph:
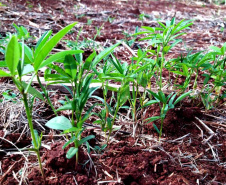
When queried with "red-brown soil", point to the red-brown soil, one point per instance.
{"points": [[182, 156]]}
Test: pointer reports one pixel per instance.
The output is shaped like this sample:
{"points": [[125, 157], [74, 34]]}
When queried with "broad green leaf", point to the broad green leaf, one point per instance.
{"points": [[45, 50], [71, 152], [33, 91], [103, 54], [70, 66], [83, 140], [12, 55], [3, 64], [4, 74], [66, 107], [28, 69], [59, 123], [58, 56]]}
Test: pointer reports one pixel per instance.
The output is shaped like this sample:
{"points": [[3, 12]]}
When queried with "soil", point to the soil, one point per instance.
{"points": [[184, 155]]}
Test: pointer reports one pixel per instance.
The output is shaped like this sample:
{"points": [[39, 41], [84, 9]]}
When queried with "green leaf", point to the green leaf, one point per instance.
{"points": [[59, 70], [70, 66], [4, 74], [42, 41], [216, 49], [12, 55], [65, 107], [59, 123], [58, 56], [72, 129], [89, 60], [154, 118], [28, 69], [36, 139], [150, 103], [68, 142], [156, 128], [71, 152], [83, 140], [3, 64], [181, 97], [103, 54], [45, 50], [33, 91]]}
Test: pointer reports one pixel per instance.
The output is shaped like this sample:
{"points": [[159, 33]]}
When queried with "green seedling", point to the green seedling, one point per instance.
{"points": [[21, 60], [14, 60], [22, 32], [75, 72], [165, 104], [188, 66], [8, 95], [164, 38]]}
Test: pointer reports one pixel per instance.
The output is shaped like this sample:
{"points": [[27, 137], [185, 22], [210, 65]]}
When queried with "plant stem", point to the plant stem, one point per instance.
{"points": [[161, 68], [160, 132], [116, 111], [76, 155], [29, 118], [40, 165]]}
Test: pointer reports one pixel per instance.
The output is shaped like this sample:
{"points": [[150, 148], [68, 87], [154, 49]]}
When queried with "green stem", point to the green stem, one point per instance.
{"points": [[29, 118], [40, 165], [161, 68], [115, 114], [160, 132], [76, 146]]}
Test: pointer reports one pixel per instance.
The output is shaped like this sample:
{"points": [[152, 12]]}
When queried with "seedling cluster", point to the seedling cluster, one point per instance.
{"points": [[150, 63]]}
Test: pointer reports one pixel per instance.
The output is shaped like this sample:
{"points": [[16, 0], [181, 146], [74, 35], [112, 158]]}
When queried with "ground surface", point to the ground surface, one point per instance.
{"points": [[184, 156]]}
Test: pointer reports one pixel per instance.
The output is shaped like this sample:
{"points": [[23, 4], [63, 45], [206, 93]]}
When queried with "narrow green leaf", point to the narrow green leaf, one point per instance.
{"points": [[154, 118], [83, 140], [33, 91], [181, 97], [89, 60], [68, 142], [45, 50], [58, 56], [103, 54], [156, 128]]}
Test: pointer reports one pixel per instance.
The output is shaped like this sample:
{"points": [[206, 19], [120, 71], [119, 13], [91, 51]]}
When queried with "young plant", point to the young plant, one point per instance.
{"points": [[14, 60], [165, 104], [22, 32], [164, 37], [22, 60], [75, 72]]}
